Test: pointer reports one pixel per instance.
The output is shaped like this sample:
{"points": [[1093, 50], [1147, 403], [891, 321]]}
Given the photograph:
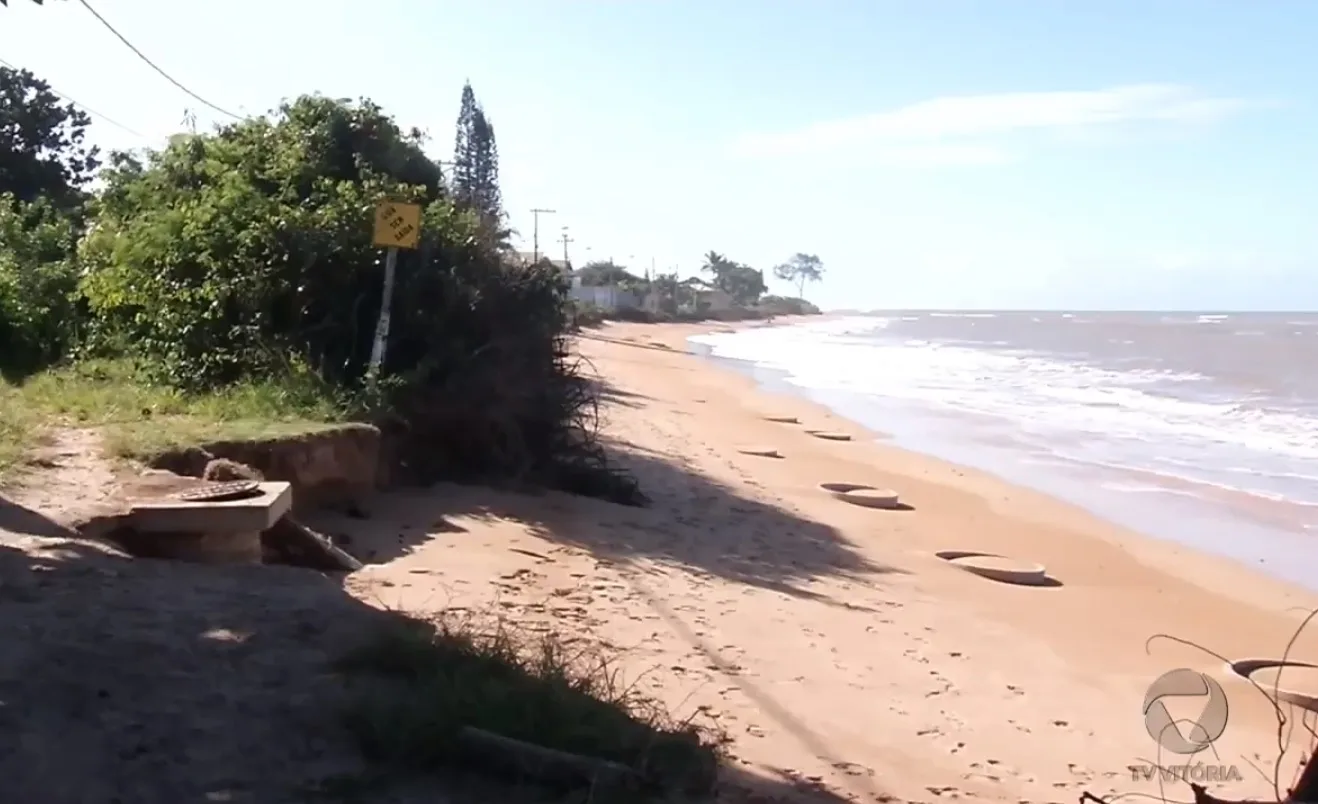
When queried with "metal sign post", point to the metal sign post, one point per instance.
{"points": [[396, 226]]}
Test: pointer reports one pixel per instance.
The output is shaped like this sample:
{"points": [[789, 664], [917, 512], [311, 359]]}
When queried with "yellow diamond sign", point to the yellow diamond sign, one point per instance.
{"points": [[397, 225]]}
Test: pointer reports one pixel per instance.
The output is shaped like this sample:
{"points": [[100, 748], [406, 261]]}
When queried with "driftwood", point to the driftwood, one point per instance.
{"points": [[545, 765], [291, 542]]}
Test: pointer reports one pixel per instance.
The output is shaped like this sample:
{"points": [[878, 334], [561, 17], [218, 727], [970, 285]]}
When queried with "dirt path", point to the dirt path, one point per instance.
{"points": [[153, 682]]}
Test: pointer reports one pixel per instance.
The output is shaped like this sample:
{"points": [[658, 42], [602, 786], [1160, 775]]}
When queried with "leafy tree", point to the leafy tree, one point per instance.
{"points": [[223, 254], [247, 253], [476, 163], [39, 312], [714, 263], [744, 284], [801, 268], [606, 272], [42, 150], [741, 282]]}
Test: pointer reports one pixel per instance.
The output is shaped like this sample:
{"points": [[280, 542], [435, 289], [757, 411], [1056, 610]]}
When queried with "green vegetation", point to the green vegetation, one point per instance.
{"points": [[801, 268], [242, 259], [140, 419], [226, 286], [419, 685], [606, 272], [693, 299]]}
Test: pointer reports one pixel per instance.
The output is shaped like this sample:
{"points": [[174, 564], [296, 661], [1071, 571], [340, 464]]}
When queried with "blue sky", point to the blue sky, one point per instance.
{"points": [[934, 153]]}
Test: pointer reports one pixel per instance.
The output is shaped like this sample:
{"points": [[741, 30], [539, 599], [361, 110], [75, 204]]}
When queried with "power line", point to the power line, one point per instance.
{"points": [[89, 110], [153, 65]]}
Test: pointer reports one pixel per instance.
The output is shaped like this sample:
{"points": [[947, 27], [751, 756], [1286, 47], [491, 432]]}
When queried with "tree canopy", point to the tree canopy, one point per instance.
{"points": [[243, 254], [742, 283], [606, 272], [42, 143], [476, 164], [801, 268]]}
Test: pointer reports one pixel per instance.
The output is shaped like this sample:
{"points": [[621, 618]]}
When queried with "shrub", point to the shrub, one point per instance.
{"points": [[39, 310], [786, 305], [239, 254]]}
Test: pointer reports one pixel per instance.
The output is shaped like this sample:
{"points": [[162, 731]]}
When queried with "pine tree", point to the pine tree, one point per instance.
{"points": [[476, 163], [462, 153]]}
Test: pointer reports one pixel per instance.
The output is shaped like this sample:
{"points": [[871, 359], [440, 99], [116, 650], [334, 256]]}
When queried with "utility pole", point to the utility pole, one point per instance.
{"points": [[566, 240], [535, 232]]}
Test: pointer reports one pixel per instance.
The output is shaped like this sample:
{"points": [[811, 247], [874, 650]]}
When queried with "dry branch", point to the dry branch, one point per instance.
{"points": [[547, 765]]}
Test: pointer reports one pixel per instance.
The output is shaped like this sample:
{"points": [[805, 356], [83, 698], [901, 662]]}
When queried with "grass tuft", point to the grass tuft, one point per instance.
{"points": [[432, 679], [139, 419]]}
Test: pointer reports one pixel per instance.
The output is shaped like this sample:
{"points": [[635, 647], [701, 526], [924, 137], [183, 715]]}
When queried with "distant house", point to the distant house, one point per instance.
{"points": [[605, 297], [714, 300], [707, 297]]}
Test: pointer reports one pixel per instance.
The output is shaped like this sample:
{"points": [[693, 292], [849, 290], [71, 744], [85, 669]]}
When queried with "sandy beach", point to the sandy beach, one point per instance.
{"points": [[826, 638], [845, 661]]}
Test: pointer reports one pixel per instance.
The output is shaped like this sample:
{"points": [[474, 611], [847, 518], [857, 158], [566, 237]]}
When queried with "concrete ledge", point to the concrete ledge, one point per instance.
{"points": [[254, 514]]}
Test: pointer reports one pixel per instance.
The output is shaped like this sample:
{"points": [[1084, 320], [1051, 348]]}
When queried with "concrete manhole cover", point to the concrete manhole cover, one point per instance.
{"points": [[220, 492]]}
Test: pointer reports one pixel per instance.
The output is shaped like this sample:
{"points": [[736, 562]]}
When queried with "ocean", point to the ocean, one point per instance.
{"points": [[1200, 428]]}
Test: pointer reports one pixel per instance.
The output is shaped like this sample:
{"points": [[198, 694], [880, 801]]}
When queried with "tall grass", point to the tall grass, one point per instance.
{"points": [[421, 682]]}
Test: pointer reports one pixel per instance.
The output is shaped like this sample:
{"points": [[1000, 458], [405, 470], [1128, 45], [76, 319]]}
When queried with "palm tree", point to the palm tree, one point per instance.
{"points": [[714, 263]]}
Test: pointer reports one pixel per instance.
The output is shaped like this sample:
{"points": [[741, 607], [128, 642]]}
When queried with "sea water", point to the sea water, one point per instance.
{"points": [[1200, 428]]}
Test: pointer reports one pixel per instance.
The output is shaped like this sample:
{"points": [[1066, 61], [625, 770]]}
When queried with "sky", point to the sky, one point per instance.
{"points": [[1040, 154]]}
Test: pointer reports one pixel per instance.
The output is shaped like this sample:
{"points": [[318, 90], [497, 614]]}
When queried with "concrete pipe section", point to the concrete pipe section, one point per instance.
{"points": [[998, 568], [872, 498], [829, 435], [838, 489], [760, 452], [1291, 681], [782, 419]]}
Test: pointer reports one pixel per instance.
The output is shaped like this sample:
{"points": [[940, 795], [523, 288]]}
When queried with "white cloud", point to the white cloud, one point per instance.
{"points": [[996, 115]]}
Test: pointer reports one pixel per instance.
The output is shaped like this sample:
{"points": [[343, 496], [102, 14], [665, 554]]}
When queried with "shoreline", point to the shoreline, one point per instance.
{"points": [[675, 336], [1086, 638], [1239, 523]]}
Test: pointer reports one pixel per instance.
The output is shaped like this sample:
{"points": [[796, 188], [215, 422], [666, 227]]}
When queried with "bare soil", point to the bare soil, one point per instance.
{"points": [[142, 681]]}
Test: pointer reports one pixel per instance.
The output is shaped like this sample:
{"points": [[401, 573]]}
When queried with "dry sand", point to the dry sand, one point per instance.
{"points": [[825, 637], [844, 659]]}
